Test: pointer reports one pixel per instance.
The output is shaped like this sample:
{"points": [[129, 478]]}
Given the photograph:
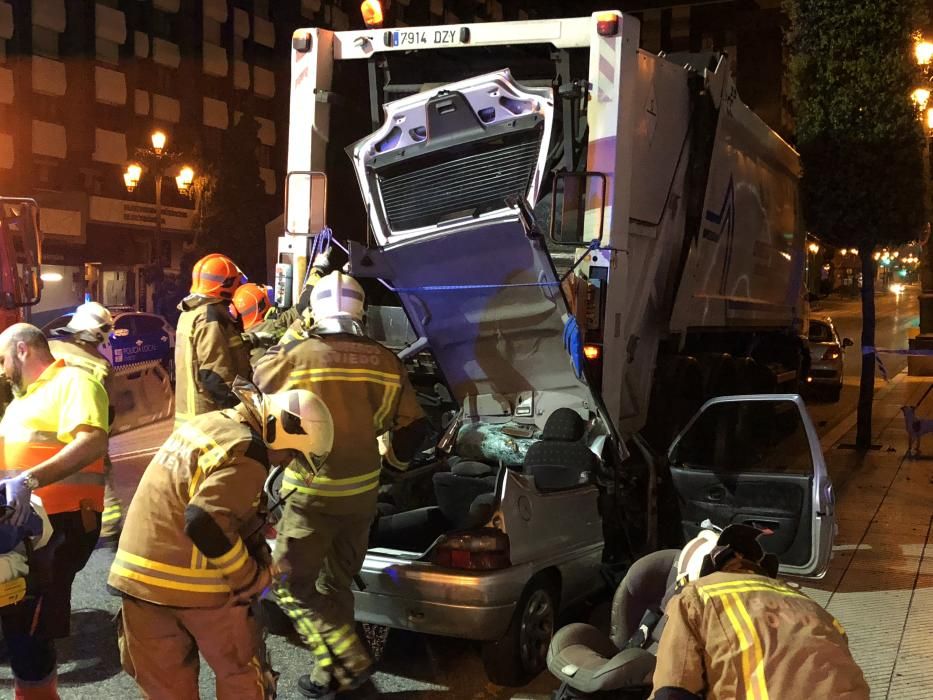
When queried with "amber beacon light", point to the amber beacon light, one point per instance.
{"points": [[607, 24], [372, 13]]}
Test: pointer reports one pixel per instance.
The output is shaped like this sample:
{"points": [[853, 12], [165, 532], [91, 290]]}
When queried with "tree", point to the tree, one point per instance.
{"points": [[852, 72], [234, 207]]}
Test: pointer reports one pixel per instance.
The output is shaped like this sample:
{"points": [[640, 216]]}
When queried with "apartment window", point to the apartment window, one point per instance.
{"points": [[2, 50], [212, 140], [108, 51], [261, 8], [162, 24], [44, 41], [48, 174], [47, 108], [165, 80], [212, 31]]}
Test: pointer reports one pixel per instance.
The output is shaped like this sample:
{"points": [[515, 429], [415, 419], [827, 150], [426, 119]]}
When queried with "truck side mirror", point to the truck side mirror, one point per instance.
{"points": [[847, 342], [572, 196]]}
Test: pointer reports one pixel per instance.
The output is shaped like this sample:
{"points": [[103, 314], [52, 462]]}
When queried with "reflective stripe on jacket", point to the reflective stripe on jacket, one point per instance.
{"points": [[214, 465], [39, 424], [736, 634], [366, 388], [209, 354]]}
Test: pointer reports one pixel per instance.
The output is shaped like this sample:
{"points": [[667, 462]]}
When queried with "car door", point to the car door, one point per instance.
{"points": [[757, 460]]}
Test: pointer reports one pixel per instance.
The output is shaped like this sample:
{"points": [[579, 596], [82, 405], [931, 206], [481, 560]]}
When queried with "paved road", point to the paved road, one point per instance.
{"points": [[897, 317], [414, 666]]}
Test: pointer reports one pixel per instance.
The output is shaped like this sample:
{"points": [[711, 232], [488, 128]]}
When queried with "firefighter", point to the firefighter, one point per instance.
{"points": [[324, 531], [252, 305], [209, 350], [54, 441], [734, 631], [192, 556], [77, 344]]}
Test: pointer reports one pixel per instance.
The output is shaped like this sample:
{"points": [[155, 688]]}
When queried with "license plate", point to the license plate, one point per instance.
{"points": [[419, 38]]}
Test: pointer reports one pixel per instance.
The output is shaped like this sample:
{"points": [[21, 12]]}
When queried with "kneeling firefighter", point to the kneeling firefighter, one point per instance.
{"points": [[324, 531], [77, 344], [192, 557], [734, 631]]}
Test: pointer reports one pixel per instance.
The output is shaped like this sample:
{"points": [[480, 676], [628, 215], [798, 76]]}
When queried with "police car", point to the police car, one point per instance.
{"points": [[136, 337]]}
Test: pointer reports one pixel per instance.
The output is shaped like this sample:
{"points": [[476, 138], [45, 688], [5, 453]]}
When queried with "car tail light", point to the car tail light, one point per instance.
{"points": [[832, 353], [481, 550]]}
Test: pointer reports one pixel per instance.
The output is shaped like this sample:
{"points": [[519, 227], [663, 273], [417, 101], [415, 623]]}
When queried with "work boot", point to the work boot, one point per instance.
{"points": [[310, 689]]}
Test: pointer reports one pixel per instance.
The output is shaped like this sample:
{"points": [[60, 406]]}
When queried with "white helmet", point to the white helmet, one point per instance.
{"points": [[690, 560], [299, 421], [92, 319], [337, 296]]}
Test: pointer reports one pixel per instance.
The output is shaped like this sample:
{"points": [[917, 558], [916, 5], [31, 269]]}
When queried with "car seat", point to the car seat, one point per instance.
{"points": [[588, 661], [466, 493], [560, 459]]}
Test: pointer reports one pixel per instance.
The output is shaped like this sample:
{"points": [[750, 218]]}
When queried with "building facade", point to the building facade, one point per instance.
{"points": [[83, 84]]}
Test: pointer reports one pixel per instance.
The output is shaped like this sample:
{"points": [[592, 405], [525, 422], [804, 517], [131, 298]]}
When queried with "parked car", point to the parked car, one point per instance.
{"points": [[136, 337], [827, 357]]}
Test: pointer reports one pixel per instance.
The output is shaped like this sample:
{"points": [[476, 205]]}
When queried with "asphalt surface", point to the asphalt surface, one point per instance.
{"points": [[896, 318], [413, 666]]}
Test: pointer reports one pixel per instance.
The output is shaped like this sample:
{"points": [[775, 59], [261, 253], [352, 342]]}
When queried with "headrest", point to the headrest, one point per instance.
{"points": [[470, 468], [564, 425]]}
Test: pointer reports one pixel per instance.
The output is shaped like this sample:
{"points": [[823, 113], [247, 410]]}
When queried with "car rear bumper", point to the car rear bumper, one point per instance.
{"points": [[825, 374], [422, 597]]}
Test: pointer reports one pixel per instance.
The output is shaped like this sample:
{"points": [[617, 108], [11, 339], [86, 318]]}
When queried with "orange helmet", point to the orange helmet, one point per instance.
{"points": [[251, 302], [216, 275]]}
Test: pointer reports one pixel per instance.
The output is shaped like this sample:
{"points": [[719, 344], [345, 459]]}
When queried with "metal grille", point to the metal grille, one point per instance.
{"points": [[461, 186]]}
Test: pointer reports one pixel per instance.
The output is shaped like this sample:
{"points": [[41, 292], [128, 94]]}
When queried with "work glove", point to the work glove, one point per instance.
{"points": [[259, 587], [259, 339], [17, 494], [573, 344], [322, 261]]}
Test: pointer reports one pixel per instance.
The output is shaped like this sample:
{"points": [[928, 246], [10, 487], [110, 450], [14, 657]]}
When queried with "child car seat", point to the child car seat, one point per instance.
{"points": [[588, 661]]}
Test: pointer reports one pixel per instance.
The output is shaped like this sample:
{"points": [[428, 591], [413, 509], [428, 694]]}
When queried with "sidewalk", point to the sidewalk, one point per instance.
{"points": [[880, 582]]}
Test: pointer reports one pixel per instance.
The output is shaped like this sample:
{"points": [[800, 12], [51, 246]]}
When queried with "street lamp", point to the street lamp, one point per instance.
{"points": [[160, 163], [923, 50]]}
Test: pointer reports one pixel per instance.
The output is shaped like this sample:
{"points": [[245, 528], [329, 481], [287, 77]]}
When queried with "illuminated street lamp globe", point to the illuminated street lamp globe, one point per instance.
{"points": [[184, 179], [159, 138]]}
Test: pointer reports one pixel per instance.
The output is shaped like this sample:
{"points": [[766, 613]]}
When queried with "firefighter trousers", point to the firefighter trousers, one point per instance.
{"points": [[159, 648], [318, 555], [113, 508]]}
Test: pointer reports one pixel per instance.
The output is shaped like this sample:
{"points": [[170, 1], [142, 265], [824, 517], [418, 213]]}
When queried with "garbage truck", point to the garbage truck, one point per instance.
{"points": [[567, 222]]}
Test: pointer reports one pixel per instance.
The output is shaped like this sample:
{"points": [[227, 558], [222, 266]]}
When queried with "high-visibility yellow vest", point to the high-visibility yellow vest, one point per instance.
{"points": [[39, 424]]}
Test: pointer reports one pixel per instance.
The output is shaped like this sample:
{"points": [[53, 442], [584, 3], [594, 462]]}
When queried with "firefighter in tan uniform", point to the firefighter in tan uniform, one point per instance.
{"points": [[77, 344], [209, 349], [324, 531], [735, 631], [192, 556]]}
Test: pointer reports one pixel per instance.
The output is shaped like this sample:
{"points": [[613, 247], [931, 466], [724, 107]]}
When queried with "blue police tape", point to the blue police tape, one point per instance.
{"points": [[868, 350]]}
